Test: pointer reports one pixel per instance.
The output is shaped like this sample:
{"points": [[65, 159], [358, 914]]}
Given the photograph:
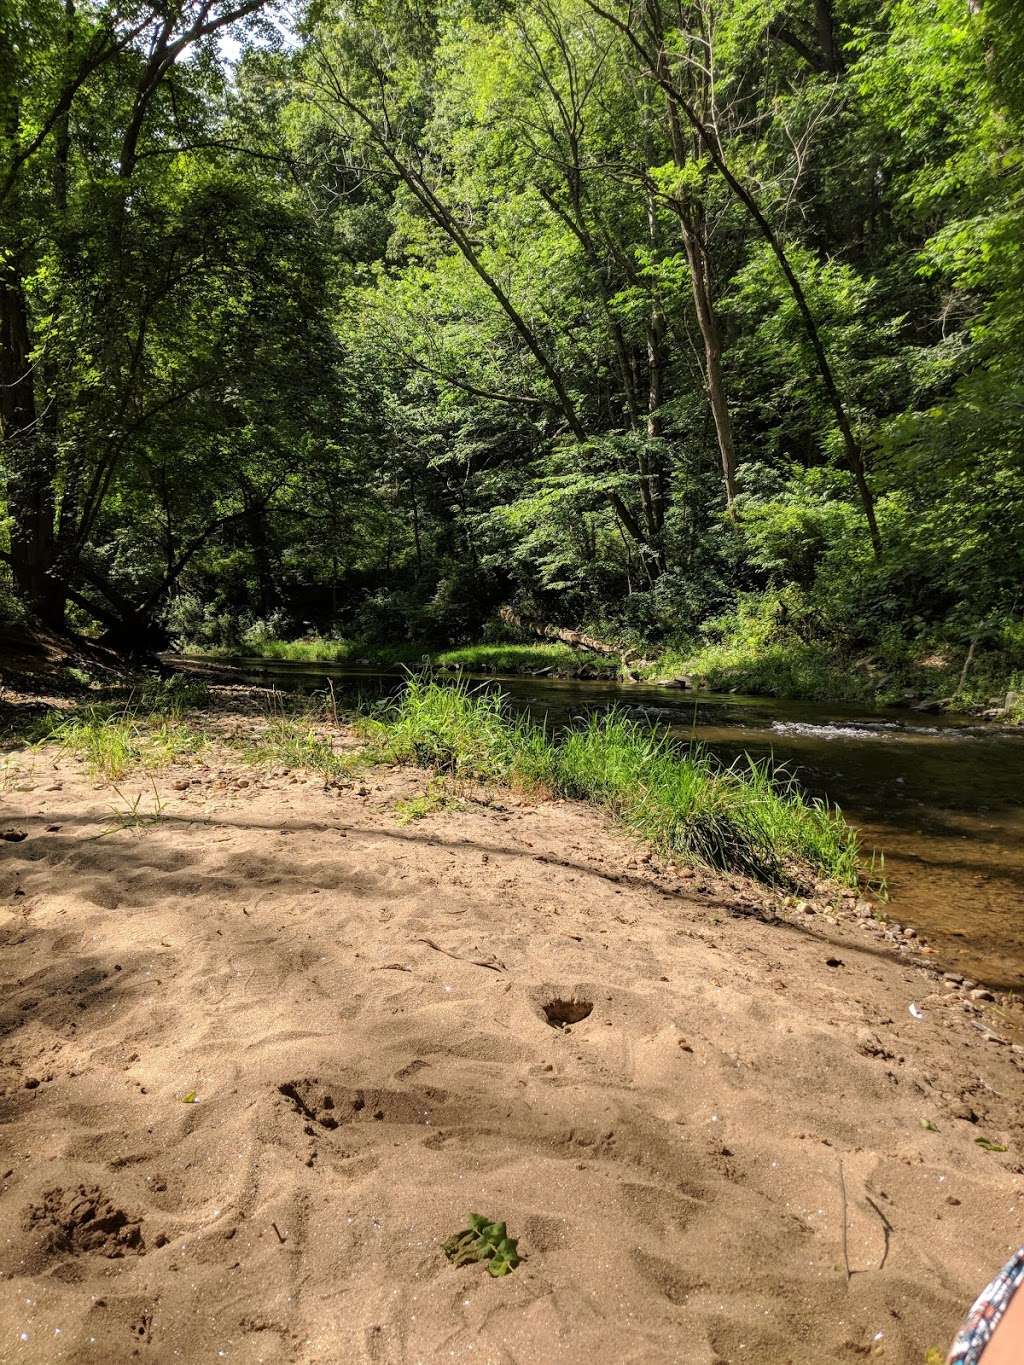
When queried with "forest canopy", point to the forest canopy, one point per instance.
{"points": [[688, 324]]}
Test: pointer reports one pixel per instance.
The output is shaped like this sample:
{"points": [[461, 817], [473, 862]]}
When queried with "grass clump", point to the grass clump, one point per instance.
{"points": [[299, 742], [742, 819], [147, 729], [438, 796], [458, 732], [114, 741]]}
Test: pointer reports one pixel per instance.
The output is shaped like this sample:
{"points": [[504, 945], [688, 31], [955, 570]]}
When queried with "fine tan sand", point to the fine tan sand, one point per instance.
{"points": [[357, 1006]]}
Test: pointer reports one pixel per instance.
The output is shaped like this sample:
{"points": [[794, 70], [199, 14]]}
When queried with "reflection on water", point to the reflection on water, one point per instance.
{"points": [[942, 797]]}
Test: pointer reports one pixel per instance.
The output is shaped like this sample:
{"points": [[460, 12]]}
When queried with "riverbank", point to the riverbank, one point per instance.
{"points": [[930, 679], [526, 660], [286, 1028]]}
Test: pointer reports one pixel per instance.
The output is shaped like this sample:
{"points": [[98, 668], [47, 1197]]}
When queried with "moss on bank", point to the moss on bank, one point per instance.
{"points": [[795, 670], [750, 657]]}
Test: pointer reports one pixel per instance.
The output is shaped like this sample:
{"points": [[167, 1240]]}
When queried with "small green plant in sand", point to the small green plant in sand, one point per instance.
{"points": [[486, 1241], [747, 818], [133, 815], [438, 796], [987, 1145]]}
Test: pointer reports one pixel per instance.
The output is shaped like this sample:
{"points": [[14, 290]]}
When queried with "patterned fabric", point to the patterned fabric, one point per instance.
{"points": [[985, 1315]]}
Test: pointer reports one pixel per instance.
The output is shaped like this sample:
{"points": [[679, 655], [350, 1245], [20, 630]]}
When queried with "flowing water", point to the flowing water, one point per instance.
{"points": [[941, 797]]}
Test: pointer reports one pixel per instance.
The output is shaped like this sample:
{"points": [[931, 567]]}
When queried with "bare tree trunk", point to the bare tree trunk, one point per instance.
{"points": [[692, 225], [712, 338], [416, 529], [255, 517]]}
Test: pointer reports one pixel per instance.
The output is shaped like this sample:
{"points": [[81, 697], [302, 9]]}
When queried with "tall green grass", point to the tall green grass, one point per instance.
{"points": [[113, 742], [745, 819], [299, 742]]}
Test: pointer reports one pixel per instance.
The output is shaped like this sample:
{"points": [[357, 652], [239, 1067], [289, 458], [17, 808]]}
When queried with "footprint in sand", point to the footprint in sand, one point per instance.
{"points": [[331, 1106], [81, 1221], [561, 1014]]}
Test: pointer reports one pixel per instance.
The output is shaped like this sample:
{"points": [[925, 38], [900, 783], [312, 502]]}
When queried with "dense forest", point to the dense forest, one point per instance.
{"points": [[695, 325]]}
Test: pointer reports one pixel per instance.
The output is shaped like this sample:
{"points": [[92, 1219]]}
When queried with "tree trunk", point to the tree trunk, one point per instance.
{"points": [[30, 464], [256, 531], [712, 338], [691, 222], [825, 28]]}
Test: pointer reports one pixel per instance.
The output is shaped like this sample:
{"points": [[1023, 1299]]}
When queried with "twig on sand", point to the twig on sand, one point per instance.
{"points": [[493, 966], [887, 1230], [846, 1246], [280, 1235]]}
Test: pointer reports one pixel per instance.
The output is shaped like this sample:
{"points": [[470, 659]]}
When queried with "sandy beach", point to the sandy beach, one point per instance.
{"points": [[263, 1052]]}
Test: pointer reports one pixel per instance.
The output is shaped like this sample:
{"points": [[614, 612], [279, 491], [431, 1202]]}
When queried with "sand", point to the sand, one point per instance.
{"points": [[259, 1058]]}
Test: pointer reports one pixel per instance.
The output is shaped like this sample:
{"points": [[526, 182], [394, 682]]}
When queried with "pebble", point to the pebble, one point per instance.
{"points": [[982, 994]]}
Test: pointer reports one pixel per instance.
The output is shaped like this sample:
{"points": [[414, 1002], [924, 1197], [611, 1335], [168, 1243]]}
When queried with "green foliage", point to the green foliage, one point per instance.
{"points": [[492, 658], [485, 1241], [401, 321], [746, 819], [114, 742], [512, 658]]}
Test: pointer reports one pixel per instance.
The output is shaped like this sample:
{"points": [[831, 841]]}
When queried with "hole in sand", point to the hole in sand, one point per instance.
{"points": [[562, 1013]]}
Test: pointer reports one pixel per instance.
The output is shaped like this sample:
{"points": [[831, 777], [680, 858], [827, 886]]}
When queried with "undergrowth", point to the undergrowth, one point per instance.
{"points": [[146, 729], [497, 658], [158, 723], [744, 818]]}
